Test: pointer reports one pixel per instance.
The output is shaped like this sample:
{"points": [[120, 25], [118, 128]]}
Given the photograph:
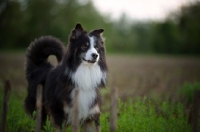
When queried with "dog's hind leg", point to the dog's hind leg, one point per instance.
{"points": [[57, 122], [44, 118], [57, 115], [30, 104]]}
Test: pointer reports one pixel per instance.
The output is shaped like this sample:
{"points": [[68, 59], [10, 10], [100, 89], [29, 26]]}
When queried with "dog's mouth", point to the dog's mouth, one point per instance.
{"points": [[89, 61]]}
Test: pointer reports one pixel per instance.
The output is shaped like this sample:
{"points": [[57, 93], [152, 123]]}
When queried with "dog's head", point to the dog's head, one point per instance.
{"points": [[86, 48]]}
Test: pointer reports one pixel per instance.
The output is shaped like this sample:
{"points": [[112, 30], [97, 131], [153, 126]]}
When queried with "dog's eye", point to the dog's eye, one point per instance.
{"points": [[85, 46]]}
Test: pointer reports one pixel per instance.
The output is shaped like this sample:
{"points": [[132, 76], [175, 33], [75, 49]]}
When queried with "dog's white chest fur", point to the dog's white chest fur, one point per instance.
{"points": [[87, 77], [86, 80]]}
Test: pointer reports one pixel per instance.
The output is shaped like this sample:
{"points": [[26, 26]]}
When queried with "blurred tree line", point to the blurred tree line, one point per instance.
{"points": [[21, 21]]}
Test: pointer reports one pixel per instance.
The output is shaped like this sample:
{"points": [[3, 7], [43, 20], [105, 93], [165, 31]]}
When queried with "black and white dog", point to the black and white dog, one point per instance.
{"points": [[82, 67]]}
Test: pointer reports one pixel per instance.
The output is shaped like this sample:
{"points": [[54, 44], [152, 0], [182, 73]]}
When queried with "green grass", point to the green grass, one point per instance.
{"points": [[17, 119], [144, 116], [187, 91], [141, 115]]}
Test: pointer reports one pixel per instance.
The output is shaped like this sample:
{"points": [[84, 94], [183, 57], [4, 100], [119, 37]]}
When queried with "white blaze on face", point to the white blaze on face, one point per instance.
{"points": [[91, 50]]}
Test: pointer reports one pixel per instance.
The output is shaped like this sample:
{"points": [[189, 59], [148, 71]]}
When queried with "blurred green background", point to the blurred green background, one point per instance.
{"points": [[21, 21]]}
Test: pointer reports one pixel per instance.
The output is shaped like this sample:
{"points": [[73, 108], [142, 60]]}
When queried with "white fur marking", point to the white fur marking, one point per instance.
{"points": [[91, 42], [91, 50], [85, 100], [86, 80], [87, 77]]}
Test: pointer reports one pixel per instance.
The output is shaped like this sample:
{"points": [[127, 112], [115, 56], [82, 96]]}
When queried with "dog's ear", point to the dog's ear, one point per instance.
{"points": [[79, 27], [97, 32], [77, 31]]}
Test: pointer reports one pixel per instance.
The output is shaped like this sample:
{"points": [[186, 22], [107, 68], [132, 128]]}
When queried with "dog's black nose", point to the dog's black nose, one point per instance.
{"points": [[94, 55]]}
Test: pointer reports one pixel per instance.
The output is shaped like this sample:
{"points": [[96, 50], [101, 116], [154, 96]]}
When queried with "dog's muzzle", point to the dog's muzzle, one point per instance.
{"points": [[90, 61]]}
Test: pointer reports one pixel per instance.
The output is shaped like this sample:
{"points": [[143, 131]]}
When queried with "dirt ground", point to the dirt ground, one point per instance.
{"points": [[151, 75], [133, 75]]}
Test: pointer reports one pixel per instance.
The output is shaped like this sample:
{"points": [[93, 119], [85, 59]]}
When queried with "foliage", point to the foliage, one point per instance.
{"points": [[140, 115], [21, 21], [144, 116], [166, 38], [17, 119], [187, 91], [188, 23]]}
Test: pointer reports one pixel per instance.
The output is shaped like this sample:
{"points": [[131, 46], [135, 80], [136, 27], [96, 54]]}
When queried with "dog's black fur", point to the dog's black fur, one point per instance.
{"points": [[57, 81]]}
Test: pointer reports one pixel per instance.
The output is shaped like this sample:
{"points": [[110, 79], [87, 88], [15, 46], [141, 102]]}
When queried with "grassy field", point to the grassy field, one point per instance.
{"points": [[142, 115], [158, 78], [132, 75]]}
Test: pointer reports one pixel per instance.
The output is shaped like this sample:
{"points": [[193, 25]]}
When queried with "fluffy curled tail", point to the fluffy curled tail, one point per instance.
{"points": [[37, 65]]}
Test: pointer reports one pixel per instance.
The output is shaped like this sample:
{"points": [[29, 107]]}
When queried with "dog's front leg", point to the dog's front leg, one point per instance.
{"points": [[87, 126], [97, 124]]}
